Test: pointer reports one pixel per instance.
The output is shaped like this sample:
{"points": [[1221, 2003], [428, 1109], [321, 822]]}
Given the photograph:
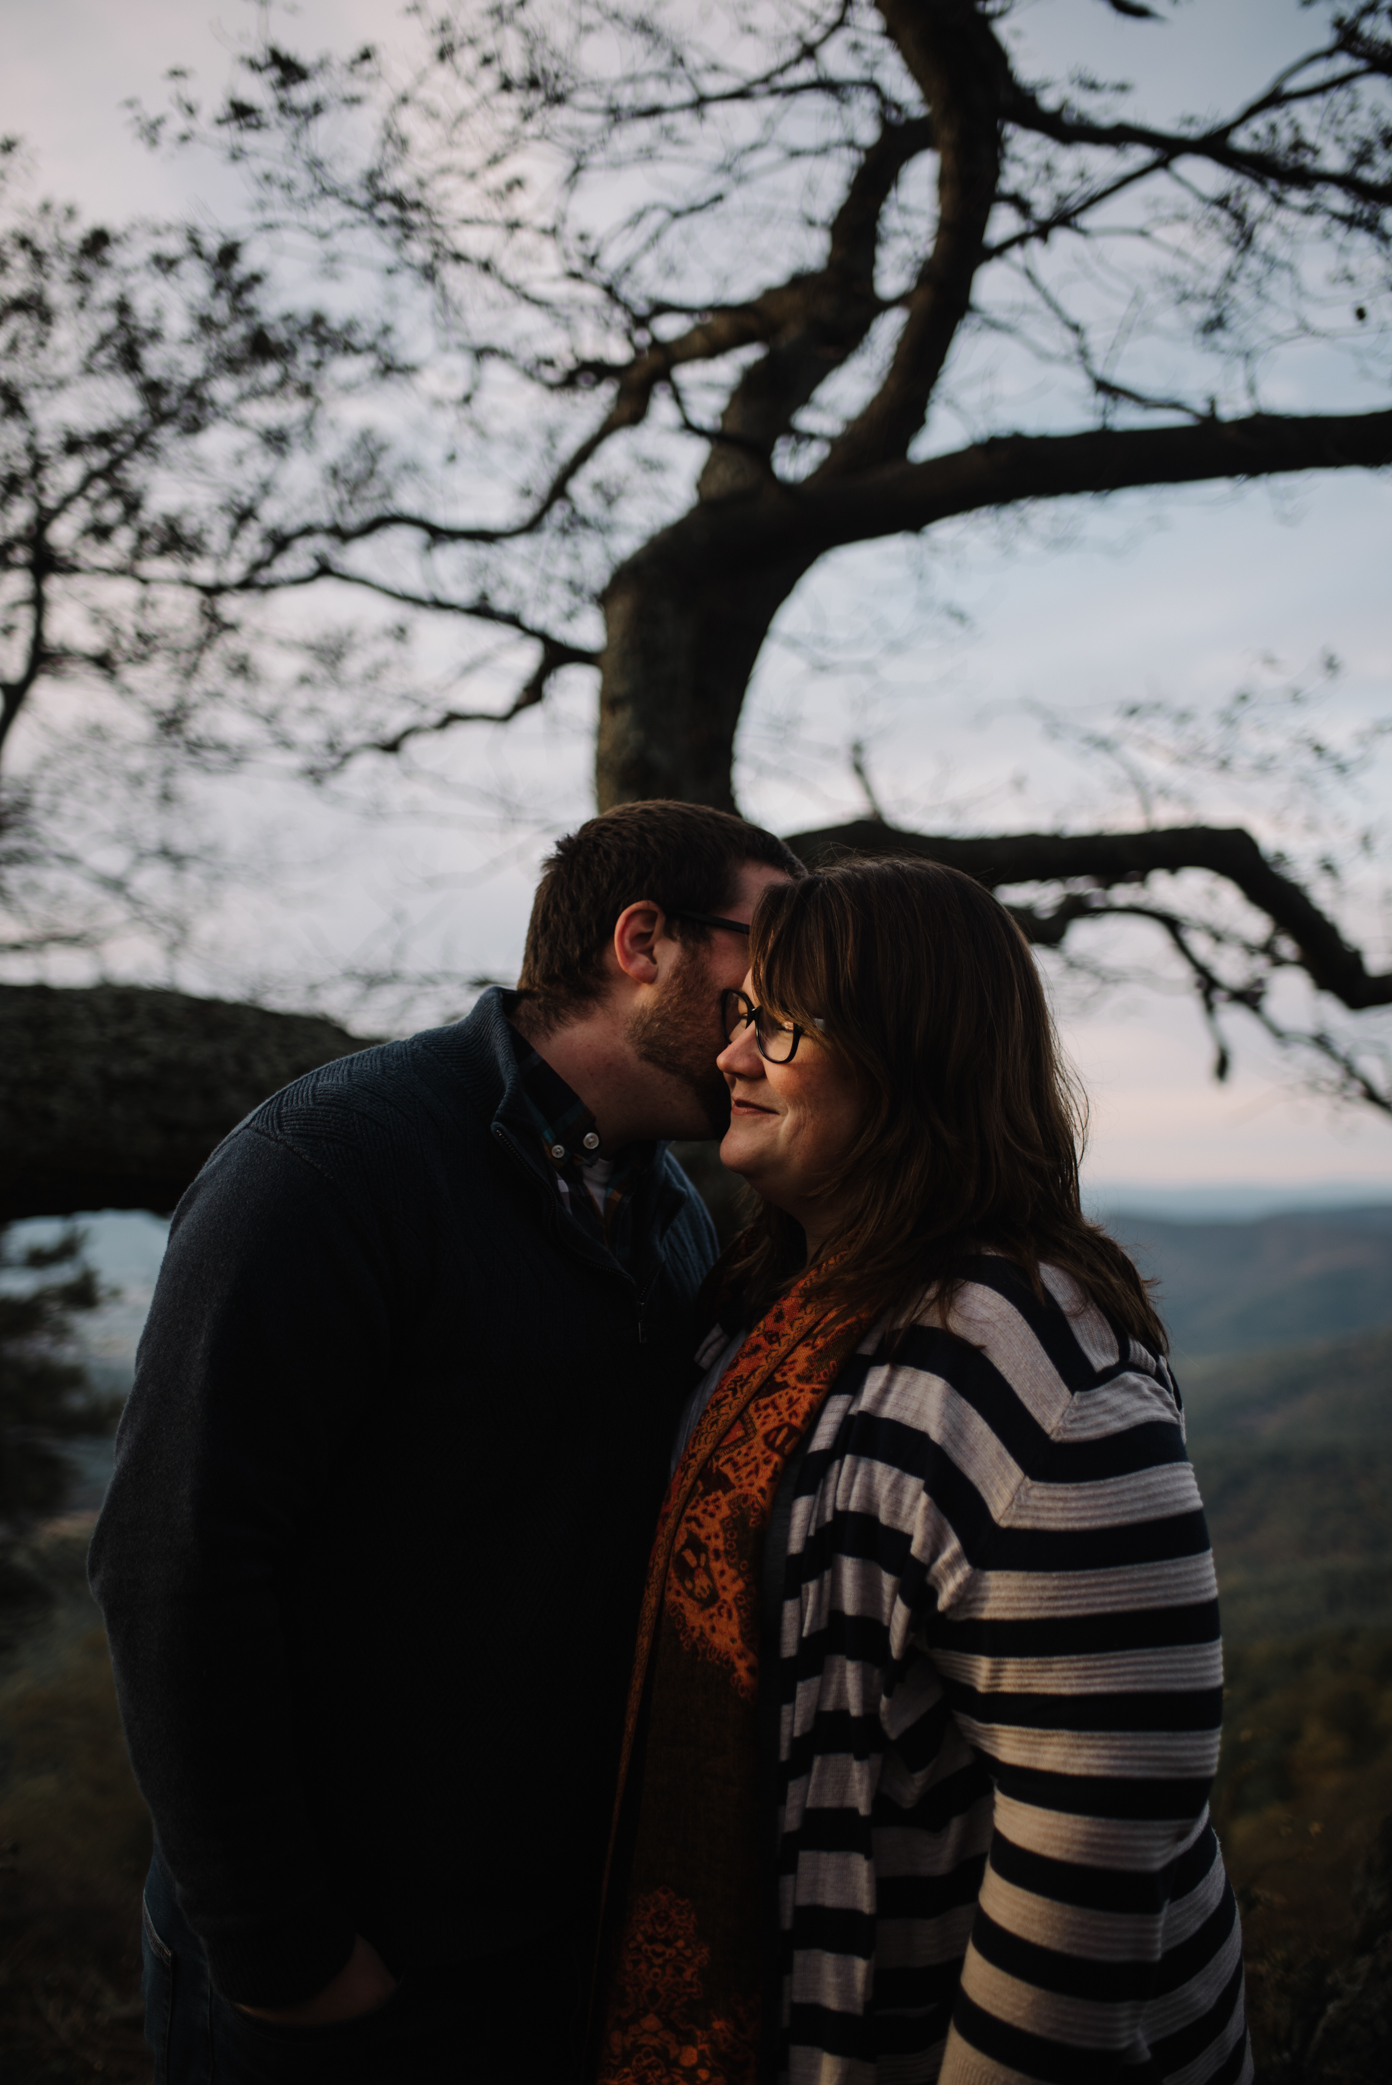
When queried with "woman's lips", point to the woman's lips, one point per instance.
{"points": [[749, 1107]]}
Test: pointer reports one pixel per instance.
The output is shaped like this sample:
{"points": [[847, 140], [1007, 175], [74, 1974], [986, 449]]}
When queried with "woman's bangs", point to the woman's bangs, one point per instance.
{"points": [[788, 956]]}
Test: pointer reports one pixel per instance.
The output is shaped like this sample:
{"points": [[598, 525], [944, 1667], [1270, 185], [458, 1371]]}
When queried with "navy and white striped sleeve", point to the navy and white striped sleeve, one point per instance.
{"points": [[1069, 1605]]}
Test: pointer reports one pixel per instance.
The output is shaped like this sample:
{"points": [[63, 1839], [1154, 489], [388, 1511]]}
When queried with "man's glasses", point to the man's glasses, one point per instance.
{"points": [[712, 919], [777, 1044]]}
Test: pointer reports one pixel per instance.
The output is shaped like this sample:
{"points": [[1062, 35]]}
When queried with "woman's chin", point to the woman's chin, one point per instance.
{"points": [[735, 1154]]}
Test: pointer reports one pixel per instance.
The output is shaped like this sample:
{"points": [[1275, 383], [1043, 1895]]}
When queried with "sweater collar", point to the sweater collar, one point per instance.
{"points": [[659, 1191]]}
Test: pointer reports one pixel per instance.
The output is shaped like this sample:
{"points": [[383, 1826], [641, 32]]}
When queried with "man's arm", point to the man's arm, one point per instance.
{"points": [[266, 1339]]}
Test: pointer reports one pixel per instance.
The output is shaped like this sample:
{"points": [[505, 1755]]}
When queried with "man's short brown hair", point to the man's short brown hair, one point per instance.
{"points": [[683, 857]]}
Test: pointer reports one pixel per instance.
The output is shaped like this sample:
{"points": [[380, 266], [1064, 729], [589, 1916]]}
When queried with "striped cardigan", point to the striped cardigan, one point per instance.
{"points": [[992, 1654]]}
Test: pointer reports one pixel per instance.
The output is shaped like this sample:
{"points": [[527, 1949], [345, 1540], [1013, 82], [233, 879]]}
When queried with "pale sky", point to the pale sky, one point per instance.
{"points": [[1174, 597]]}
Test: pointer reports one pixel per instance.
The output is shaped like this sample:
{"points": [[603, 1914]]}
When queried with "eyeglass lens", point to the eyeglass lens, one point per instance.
{"points": [[776, 1042]]}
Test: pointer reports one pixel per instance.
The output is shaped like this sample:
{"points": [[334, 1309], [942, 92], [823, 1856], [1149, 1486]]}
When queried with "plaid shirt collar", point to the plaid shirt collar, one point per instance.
{"points": [[569, 1138]]}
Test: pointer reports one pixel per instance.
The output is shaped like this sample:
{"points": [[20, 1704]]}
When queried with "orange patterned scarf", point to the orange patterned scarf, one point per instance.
{"points": [[783, 1343], [682, 1997]]}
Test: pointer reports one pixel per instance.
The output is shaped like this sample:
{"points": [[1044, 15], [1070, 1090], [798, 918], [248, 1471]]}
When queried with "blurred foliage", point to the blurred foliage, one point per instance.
{"points": [[1302, 1537], [730, 1203], [45, 1396], [45, 1399], [1304, 1781], [1302, 1716], [74, 1845]]}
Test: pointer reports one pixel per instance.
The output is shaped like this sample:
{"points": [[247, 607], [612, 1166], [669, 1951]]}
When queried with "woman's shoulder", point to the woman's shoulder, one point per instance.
{"points": [[1048, 1342], [991, 1296]]}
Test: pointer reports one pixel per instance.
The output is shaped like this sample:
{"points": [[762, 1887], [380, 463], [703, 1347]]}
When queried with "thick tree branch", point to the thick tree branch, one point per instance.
{"points": [[1107, 859], [905, 497], [1343, 1076], [685, 615], [962, 73], [112, 1098], [840, 304]]}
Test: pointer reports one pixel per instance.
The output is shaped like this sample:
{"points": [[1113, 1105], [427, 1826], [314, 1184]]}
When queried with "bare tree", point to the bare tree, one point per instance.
{"points": [[666, 309], [580, 189], [710, 299], [150, 390]]}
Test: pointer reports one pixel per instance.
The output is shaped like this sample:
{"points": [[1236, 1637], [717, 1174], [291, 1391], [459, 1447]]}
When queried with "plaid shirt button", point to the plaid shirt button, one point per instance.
{"points": [[567, 1134]]}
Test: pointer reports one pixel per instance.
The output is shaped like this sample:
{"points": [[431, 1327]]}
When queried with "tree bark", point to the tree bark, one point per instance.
{"points": [[683, 631], [112, 1098]]}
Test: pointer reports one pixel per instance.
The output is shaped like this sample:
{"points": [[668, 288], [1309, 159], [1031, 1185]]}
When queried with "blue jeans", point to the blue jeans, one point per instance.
{"points": [[506, 2018]]}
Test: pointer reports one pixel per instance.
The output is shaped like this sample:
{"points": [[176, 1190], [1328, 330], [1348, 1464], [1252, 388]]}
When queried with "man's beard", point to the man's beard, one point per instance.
{"points": [[678, 1032]]}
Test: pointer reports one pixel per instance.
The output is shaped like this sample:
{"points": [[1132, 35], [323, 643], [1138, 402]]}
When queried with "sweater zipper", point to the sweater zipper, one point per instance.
{"points": [[642, 1305]]}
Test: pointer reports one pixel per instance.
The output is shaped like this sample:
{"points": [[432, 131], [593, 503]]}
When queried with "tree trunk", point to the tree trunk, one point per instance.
{"points": [[112, 1098], [684, 626]]}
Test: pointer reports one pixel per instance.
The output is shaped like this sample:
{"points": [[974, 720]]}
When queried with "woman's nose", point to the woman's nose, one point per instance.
{"points": [[741, 1058]]}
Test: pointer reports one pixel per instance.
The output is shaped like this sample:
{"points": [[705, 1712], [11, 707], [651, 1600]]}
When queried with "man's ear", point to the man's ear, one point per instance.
{"points": [[637, 931]]}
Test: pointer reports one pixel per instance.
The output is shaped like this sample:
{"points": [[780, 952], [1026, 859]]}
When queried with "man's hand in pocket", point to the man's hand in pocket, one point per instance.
{"points": [[363, 1983]]}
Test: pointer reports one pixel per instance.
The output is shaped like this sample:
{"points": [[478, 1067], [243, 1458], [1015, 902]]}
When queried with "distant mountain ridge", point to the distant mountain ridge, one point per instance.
{"points": [[1231, 1288], [1325, 1391], [1228, 1286]]}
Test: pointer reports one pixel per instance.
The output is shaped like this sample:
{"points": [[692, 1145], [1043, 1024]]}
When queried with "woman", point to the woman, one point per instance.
{"points": [[927, 1696]]}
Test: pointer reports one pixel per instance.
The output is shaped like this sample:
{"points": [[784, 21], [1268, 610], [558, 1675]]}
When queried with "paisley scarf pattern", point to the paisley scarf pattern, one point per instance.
{"points": [[683, 1993]]}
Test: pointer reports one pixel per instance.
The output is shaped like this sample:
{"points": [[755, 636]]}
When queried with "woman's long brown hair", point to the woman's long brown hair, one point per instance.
{"points": [[973, 1126]]}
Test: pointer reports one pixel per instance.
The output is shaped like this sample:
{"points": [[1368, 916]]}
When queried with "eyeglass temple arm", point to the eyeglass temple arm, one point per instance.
{"points": [[712, 919]]}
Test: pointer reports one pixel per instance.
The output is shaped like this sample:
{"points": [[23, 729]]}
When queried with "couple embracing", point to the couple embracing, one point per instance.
{"points": [[551, 1653]]}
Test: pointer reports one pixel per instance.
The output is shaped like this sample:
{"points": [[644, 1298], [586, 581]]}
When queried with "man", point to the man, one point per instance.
{"points": [[384, 1490]]}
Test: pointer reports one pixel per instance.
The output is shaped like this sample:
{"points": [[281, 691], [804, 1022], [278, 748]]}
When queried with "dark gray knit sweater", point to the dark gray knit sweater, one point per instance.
{"points": [[383, 1497]]}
